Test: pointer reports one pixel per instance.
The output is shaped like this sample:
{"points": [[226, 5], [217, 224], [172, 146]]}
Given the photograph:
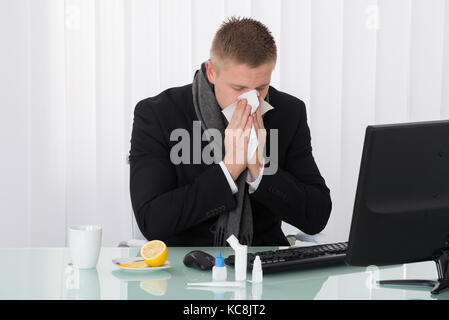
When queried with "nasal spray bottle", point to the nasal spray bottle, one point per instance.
{"points": [[219, 269], [257, 270], [241, 252]]}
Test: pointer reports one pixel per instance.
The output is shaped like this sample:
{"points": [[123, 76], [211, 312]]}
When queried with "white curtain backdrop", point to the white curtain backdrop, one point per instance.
{"points": [[71, 73]]}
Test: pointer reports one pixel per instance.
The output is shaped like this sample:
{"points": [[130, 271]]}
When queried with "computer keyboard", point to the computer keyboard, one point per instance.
{"points": [[297, 257]]}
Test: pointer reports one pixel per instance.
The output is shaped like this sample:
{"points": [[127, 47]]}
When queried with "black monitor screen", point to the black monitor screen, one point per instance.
{"points": [[401, 210]]}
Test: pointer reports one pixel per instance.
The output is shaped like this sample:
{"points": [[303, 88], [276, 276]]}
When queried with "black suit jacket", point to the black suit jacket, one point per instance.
{"points": [[179, 203]]}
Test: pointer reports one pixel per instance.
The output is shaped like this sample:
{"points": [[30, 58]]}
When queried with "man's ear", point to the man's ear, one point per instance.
{"points": [[210, 71]]}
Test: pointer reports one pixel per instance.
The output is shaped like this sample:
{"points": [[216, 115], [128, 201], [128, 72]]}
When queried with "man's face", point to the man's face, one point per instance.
{"points": [[233, 80]]}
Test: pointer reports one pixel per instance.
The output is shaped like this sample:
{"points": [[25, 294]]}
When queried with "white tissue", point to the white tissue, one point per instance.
{"points": [[252, 98], [253, 101]]}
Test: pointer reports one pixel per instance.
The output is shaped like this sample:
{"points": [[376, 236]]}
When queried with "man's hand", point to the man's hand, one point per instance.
{"points": [[236, 139], [257, 161]]}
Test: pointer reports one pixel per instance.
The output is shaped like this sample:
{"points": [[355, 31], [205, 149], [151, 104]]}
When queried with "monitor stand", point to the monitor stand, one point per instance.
{"points": [[439, 285]]}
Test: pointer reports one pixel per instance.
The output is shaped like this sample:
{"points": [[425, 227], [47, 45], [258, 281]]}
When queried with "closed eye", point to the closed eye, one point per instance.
{"points": [[258, 89]]}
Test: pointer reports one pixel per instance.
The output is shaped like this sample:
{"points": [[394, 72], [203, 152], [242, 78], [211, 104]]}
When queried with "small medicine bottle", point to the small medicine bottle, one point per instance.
{"points": [[219, 270], [257, 270]]}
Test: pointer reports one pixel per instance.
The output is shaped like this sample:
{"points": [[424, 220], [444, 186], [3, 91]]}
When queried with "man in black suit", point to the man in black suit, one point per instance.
{"points": [[201, 203]]}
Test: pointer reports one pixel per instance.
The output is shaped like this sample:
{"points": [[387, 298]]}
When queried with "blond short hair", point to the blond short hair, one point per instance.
{"points": [[243, 41]]}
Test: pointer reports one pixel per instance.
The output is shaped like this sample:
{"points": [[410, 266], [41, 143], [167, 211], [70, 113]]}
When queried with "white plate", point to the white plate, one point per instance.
{"points": [[166, 265]]}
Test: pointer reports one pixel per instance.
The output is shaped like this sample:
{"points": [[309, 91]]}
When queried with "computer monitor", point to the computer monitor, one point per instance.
{"points": [[401, 209]]}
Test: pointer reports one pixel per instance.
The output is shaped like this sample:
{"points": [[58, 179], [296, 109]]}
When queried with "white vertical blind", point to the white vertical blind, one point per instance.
{"points": [[445, 91], [393, 61], [14, 120], [111, 177], [358, 98], [72, 71], [46, 126], [207, 17], [426, 59], [325, 107], [175, 42], [81, 43], [296, 54]]}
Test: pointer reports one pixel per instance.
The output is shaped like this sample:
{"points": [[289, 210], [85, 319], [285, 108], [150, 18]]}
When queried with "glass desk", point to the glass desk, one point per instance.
{"points": [[46, 273]]}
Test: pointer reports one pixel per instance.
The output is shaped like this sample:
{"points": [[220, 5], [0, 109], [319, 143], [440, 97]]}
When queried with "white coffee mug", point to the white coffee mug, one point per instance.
{"points": [[85, 245]]}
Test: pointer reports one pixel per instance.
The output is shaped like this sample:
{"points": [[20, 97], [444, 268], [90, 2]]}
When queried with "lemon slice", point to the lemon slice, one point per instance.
{"points": [[154, 253], [135, 264]]}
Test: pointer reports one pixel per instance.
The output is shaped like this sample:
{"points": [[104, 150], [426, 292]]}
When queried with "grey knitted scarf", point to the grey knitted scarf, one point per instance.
{"points": [[240, 220]]}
